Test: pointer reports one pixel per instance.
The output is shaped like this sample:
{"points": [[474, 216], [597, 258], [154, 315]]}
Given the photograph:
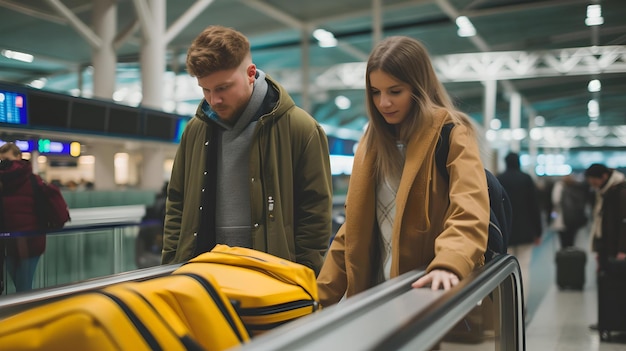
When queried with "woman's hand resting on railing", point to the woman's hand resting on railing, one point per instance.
{"points": [[437, 278]]}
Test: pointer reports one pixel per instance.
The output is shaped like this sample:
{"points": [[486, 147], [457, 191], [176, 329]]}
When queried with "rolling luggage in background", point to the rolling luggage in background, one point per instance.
{"points": [[267, 291], [197, 303], [612, 299], [570, 268], [95, 321]]}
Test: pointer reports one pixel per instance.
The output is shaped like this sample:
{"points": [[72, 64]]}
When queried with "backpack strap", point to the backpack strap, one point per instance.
{"points": [[442, 149]]}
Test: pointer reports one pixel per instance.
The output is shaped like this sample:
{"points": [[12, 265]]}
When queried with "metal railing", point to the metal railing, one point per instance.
{"points": [[97, 242], [391, 316], [394, 316]]}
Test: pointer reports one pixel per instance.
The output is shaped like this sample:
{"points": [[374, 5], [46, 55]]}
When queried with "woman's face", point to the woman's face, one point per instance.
{"points": [[8, 156], [391, 97]]}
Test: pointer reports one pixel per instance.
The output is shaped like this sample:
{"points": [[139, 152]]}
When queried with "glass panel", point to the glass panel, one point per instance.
{"points": [[477, 330], [75, 255]]}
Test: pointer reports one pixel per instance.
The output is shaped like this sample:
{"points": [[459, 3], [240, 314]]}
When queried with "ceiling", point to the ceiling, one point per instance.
{"points": [[539, 49]]}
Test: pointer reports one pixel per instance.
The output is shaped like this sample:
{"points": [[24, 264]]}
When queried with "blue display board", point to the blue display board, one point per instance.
{"points": [[12, 107]]}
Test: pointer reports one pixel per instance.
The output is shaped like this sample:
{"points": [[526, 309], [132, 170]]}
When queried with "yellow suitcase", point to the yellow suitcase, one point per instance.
{"points": [[197, 302], [95, 321], [267, 291]]}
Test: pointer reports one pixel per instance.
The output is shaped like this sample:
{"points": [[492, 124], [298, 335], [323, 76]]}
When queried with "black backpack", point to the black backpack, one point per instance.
{"points": [[573, 205], [500, 214]]}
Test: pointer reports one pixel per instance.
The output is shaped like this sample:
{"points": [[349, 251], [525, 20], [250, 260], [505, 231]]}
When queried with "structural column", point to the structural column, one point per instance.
{"points": [[489, 113], [489, 102], [305, 71], [104, 166], [152, 169], [104, 57], [515, 115], [153, 56]]}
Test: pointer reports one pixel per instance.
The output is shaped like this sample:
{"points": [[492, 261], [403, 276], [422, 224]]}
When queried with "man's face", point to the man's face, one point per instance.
{"points": [[597, 182], [229, 91]]}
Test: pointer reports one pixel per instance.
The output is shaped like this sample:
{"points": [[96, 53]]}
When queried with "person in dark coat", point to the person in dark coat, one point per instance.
{"points": [[527, 227], [569, 198], [17, 208], [609, 214], [608, 232]]}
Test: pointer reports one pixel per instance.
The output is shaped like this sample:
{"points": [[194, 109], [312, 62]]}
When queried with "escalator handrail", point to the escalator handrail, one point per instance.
{"points": [[429, 326], [15, 303], [425, 328], [79, 228]]}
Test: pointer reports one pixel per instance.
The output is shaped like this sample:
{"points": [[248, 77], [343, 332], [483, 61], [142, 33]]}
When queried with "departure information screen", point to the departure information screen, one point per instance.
{"points": [[12, 107]]}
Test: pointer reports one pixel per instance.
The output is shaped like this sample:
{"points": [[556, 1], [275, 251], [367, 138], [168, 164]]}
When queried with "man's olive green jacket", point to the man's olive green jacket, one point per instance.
{"points": [[290, 186]]}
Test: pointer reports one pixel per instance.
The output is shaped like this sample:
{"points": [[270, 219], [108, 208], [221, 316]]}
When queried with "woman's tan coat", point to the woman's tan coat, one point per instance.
{"points": [[431, 229]]}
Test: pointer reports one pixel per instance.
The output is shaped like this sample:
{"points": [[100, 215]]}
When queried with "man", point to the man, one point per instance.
{"points": [[526, 220], [252, 169], [608, 229], [609, 213]]}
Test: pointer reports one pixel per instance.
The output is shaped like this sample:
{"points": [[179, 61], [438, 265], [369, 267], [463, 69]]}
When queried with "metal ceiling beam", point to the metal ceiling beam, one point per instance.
{"points": [[522, 65], [145, 17], [183, 21], [482, 45], [356, 13], [277, 14], [32, 12], [75, 22], [126, 34], [295, 23], [377, 21], [572, 137], [494, 11], [476, 67]]}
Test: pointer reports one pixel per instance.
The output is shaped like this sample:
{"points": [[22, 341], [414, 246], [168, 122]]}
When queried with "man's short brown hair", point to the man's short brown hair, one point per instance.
{"points": [[217, 48]]}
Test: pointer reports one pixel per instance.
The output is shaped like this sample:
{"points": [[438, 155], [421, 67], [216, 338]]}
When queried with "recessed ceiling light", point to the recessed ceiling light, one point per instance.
{"points": [[16, 55], [594, 86]]}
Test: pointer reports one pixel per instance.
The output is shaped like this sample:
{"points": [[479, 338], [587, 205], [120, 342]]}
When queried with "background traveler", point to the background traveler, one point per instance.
{"points": [[608, 232], [149, 242], [527, 227], [400, 213], [252, 169], [570, 199], [17, 208]]}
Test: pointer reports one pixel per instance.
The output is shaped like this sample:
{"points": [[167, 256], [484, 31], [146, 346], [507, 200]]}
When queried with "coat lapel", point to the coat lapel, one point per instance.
{"points": [[418, 168], [420, 152], [360, 221]]}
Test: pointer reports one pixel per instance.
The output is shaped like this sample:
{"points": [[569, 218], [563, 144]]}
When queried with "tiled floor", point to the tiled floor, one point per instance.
{"points": [[560, 319]]}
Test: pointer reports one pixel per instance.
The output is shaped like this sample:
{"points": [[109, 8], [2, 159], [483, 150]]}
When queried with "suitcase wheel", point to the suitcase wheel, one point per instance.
{"points": [[605, 335]]}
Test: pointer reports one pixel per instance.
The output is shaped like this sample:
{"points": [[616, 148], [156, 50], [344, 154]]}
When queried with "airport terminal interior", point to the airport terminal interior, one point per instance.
{"points": [[95, 93]]}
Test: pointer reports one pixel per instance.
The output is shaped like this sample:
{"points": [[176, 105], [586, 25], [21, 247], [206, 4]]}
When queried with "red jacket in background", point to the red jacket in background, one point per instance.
{"points": [[18, 206]]}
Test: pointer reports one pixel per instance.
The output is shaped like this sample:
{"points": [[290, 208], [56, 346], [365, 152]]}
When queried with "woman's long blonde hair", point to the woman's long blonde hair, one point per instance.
{"points": [[408, 61]]}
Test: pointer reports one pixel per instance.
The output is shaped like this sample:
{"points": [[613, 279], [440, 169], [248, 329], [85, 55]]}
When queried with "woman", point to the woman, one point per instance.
{"points": [[17, 204], [400, 213]]}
